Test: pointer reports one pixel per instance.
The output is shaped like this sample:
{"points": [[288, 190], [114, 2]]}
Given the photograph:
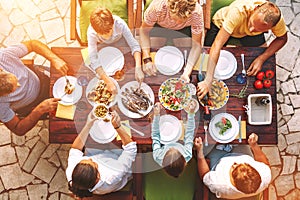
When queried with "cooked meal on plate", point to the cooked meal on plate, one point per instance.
{"points": [[69, 88], [217, 96], [174, 94], [101, 111], [136, 100], [224, 124], [100, 94]]}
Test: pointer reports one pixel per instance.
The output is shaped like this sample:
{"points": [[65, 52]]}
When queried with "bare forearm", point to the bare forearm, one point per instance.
{"points": [[41, 49], [259, 154], [203, 167], [137, 58], [125, 138], [145, 42], [192, 59], [80, 140], [275, 45]]}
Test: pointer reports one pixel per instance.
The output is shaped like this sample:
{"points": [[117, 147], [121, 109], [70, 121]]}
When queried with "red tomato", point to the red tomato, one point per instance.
{"points": [[270, 74], [224, 120], [267, 83], [258, 84], [260, 75], [178, 85]]}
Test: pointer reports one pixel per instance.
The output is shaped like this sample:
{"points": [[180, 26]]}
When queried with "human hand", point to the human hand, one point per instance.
{"points": [[90, 119], [185, 77], [202, 89], [156, 109], [252, 140], [110, 86], [139, 74], [47, 105], [115, 120], [150, 69], [60, 66], [255, 67], [199, 147]]}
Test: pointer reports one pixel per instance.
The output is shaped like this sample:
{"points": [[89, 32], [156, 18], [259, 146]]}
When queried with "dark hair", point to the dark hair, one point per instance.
{"points": [[84, 177], [173, 162], [6, 86], [271, 11], [246, 179]]}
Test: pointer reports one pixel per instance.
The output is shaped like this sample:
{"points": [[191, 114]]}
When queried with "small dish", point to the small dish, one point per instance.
{"points": [[101, 111], [197, 106]]}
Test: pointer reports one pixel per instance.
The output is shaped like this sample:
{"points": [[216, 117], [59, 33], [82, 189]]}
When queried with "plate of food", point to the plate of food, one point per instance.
{"points": [[111, 59], [174, 94], [217, 96], [67, 89], [170, 129], [169, 60], [102, 132], [96, 92], [223, 127], [226, 65], [135, 101]]}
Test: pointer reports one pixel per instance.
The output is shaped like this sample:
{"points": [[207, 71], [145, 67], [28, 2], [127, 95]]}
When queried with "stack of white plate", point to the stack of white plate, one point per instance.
{"points": [[102, 132], [170, 129], [226, 66], [227, 136], [169, 60]]}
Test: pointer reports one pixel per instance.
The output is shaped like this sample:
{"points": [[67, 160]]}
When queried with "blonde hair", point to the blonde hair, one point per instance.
{"points": [[182, 8], [6, 85], [173, 162], [102, 20], [271, 13]]}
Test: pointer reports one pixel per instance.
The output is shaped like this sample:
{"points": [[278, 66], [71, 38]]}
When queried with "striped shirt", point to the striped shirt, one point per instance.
{"points": [[158, 12], [30, 84]]}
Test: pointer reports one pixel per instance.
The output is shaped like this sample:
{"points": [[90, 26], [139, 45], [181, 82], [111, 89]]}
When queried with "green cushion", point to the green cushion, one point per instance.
{"points": [[117, 7], [160, 186], [217, 4]]}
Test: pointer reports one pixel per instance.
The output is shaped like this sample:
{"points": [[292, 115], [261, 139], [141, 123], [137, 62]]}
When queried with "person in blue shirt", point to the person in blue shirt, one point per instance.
{"points": [[173, 157]]}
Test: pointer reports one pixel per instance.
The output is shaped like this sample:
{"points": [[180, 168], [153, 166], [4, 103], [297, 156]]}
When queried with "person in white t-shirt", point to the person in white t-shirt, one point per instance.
{"points": [[233, 175], [108, 29], [100, 171], [24, 92]]}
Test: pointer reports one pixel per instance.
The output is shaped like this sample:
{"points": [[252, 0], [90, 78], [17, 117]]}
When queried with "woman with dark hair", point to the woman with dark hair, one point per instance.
{"points": [[104, 171]]}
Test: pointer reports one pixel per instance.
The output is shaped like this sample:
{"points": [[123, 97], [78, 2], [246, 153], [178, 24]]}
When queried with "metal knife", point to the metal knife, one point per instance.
{"points": [[137, 131], [240, 129]]}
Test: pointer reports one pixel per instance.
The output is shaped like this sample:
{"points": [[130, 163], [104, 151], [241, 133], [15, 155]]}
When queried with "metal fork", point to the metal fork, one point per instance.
{"points": [[205, 131]]}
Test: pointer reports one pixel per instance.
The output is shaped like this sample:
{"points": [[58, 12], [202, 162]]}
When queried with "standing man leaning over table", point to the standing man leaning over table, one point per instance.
{"points": [[21, 88], [175, 15], [246, 20]]}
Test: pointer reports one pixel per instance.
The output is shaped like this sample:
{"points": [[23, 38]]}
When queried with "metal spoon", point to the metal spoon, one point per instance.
{"points": [[243, 63]]}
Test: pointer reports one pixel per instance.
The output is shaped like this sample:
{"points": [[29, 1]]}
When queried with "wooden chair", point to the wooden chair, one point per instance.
{"points": [[123, 8]]}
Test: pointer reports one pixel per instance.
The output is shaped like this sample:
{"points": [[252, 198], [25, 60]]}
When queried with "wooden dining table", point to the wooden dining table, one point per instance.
{"points": [[65, 131]]}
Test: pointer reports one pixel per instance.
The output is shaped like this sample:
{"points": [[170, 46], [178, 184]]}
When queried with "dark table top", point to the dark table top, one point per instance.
{"points": [[65, 131]]}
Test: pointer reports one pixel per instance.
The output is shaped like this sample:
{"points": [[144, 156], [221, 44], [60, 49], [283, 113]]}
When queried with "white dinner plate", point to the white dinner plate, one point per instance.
{"points": [[170, 129], [135, 84], [111, 59], [59, 90], [102, 132], [230, 134], [92, 84], [169, 60], [226, 65]]}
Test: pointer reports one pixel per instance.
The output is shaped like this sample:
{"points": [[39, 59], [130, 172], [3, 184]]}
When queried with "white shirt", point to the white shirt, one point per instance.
{"points": [[219, 183], [30, 84], [120, 29], [114, 170]]}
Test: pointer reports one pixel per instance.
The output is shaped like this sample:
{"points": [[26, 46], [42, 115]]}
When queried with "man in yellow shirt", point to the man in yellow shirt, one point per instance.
{"points": [[246, 20]]}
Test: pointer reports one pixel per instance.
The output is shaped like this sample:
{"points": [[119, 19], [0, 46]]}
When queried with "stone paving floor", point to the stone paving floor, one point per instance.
{"points": [[31, 168]]}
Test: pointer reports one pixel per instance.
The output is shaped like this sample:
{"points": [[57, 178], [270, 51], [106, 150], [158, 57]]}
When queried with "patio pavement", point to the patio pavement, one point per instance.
{"points": [[31, 168]]}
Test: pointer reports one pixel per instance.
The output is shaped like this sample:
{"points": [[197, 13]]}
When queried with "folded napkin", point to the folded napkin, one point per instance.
{"points": [[85, 56], [65, 111], [243, 125], [204, 67], [128, 130]]}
